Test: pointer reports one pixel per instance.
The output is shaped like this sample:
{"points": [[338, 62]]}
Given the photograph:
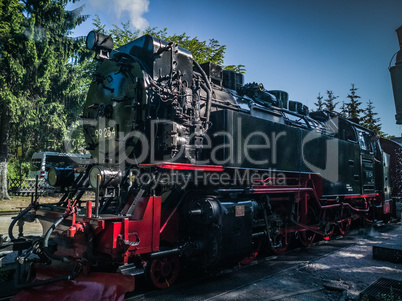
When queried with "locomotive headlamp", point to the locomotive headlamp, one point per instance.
{"points": [[97, 41], [60, 177], [108, 176]]}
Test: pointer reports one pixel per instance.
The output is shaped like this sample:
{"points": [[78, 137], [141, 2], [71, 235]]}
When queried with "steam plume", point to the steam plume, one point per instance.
{"points": [[134, 8]]}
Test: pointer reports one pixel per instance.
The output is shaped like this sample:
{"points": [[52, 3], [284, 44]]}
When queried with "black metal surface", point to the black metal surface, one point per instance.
{"points": [[281, 144], [383, 289], [390, 252]]}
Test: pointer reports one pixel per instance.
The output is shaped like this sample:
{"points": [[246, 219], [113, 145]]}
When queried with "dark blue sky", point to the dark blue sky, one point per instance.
{"points": [[302, 47]]}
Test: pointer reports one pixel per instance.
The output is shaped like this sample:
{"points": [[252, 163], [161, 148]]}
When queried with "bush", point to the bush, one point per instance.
{"points": [[13, 169]]}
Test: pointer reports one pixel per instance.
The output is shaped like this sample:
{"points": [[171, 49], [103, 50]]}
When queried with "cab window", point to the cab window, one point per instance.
{"points": [[377, 150], [366, 143], [362, 141]]}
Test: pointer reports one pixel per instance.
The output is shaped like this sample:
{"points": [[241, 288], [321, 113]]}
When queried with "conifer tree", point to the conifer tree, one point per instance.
{"points": [[37, 90], [370, 120], [344, 112], [353, 107], [319, 104], [329, 103]]}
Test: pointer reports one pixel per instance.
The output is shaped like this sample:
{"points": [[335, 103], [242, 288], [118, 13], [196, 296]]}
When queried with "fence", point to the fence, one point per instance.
{"points": [[27, 187]]}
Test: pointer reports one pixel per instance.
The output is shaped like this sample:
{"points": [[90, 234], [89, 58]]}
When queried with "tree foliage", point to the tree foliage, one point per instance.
{"points": [[370, 120], [39, 92], [319, 104], [238, 68], [202, 50], [353, 108], [329, 103], [344, 111]]}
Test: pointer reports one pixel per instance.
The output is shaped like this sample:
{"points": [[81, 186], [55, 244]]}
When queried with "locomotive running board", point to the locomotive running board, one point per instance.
{"points": [[130, 269]]}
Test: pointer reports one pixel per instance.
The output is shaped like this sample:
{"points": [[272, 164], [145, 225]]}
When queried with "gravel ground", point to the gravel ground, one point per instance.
{"points": [[341, 275]]}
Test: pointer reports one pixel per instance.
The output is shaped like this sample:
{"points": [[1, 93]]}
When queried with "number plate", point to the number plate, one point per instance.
{"points": [[239, 211]]}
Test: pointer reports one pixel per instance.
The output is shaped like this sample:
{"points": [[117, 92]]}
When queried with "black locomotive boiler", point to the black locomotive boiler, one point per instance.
{"points": [[192, 167]]}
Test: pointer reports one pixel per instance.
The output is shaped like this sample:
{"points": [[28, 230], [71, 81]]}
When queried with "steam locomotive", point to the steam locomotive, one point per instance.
{"points": [[192, 167]]}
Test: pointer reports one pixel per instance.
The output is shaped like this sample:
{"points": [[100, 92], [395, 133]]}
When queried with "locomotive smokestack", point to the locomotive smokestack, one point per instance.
{"points": [[396, 79]]}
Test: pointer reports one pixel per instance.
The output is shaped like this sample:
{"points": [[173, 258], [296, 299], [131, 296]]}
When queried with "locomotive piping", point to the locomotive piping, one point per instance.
{"points": [[43, 282], [165, 253], [356, 209], [15, 220], [69, 210], [209, 92], [46, 240], [74, 274]]}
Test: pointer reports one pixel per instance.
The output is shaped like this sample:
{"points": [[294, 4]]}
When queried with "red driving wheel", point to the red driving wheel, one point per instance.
{"points": [[163, 272]]}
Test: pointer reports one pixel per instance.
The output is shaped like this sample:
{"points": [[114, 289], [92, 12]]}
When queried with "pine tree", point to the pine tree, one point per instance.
{"points": [[319, 104], [38, 89], [370, 121], [11, 74], [329, 103], [344, 112], [353, 107]]}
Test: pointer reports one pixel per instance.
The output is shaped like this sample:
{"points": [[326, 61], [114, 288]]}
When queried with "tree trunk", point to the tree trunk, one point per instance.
{"points": [[4, 144]]}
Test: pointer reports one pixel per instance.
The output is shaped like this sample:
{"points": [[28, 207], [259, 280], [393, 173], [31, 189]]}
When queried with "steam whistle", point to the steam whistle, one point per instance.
{"points": [[396, 79]]}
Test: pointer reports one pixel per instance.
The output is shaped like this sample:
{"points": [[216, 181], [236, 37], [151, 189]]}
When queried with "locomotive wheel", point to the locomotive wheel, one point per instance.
{"points": [[162, 272], [307, 237], [280, 241]]}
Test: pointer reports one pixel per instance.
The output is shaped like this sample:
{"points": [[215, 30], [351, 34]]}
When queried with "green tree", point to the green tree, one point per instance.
{"points": [[238, 68], [203, 51], [370, 120], [353, 107], [329, 103], [344, 111], [319, 104], [37, 66], [11, 73]]}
